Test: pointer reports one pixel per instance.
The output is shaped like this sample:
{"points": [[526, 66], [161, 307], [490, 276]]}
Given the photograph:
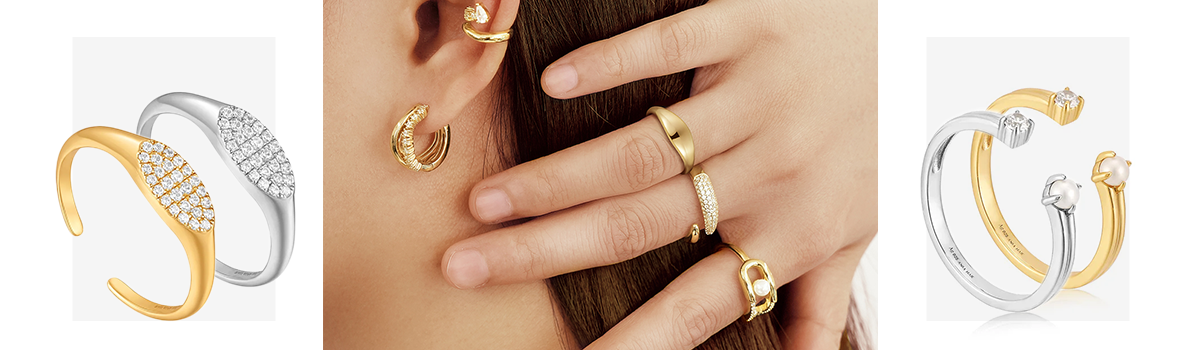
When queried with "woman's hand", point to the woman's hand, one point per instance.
{"points": [[783, 113]]}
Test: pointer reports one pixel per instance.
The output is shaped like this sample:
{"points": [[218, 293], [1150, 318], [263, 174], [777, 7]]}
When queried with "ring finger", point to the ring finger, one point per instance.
{"points": [[597, 233]]}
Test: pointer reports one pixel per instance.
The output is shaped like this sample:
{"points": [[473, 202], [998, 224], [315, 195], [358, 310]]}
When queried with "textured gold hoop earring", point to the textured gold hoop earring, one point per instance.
{"points": [[402, 142], [479, 14]]}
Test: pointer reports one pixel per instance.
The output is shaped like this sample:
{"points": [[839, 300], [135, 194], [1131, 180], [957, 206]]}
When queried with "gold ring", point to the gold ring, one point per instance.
{"points": [[1109, 173], [708, 202], [178, 196], [763, 287], [402, 142], [679, 134], [480, 14]]}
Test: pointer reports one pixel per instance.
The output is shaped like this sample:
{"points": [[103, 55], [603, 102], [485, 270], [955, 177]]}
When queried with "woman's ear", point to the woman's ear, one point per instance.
{"points": [[453, 68]]}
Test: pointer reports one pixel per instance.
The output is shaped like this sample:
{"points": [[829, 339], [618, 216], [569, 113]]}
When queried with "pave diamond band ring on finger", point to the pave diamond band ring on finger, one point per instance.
{"points": [[708, 203], [760, 293], [177, 196], [1058, 196], [255, 158]]}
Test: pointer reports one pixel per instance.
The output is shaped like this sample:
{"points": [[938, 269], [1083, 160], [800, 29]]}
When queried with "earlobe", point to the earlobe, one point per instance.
{"points": [[460, 67]]}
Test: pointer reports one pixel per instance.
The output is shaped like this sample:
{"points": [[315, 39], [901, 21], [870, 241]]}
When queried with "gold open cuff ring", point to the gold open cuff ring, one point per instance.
{"points": [[479, 14], [1109, 173], [402, 142], [760, 293], [708, 202], [679, 135], [176, 194]]}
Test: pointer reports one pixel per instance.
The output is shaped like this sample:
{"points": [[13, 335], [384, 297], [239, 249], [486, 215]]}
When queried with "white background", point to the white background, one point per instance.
{"points": [[36, 88], [1163, 56], [967, 74], [113, 80]]}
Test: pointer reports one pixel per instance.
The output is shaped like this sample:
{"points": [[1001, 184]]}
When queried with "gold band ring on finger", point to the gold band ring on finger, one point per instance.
{"points": [[760, 293], [708, 203], [679, 135], [478, 14]]}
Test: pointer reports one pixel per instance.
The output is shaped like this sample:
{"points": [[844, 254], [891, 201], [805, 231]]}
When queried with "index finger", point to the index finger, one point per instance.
{"points": [[697, 37]]}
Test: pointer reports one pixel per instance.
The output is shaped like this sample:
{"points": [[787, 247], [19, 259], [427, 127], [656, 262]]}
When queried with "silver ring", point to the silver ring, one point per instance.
{"points": [[1013, 132], [255, 159]]}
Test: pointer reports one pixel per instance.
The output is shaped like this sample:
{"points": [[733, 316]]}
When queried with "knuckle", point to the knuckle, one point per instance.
{"points": [[629, 228], [678, 39], [549, 187], [531, 252], [640, 162], [697, 319], [616, 57]]}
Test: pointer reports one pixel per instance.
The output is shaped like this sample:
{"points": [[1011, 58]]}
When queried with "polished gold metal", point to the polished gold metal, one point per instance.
{"points": [[402, 142], [197, 243], [1112, 197], [479, 14], [757, 307], [678, 133]]}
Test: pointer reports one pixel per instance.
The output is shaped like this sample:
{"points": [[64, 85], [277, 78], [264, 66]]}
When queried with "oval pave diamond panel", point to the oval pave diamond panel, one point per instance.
{"points": [[176, 185], [256, 152]]}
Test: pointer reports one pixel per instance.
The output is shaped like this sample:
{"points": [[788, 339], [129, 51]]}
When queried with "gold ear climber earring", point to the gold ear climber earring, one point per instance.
{"points": [[402, 142], [479, 14]]}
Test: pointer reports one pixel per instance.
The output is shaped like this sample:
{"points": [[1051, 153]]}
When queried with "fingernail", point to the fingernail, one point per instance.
{"points": [[560, 79], [492, 205], [467, 269]]}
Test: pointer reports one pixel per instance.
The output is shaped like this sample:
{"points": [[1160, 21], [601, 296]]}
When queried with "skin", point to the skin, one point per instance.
{"points": [[784, 115], [385, 225]]}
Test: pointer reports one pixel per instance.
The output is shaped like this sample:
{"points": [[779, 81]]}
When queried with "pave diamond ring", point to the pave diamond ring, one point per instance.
{"points": [[708, 203], [179, 198], [255, 158]]}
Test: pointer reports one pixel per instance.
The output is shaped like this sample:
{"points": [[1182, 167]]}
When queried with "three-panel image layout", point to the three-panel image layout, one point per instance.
{"points": [[619, 174]]}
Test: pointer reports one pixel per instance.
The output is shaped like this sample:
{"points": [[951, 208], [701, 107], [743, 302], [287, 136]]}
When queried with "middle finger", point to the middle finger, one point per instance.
{"points": [[597, 233], [627, 160]]}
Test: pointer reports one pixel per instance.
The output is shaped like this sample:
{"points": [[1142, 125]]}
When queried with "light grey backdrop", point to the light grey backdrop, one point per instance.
{"points": [[967, 74], [114, 79]]}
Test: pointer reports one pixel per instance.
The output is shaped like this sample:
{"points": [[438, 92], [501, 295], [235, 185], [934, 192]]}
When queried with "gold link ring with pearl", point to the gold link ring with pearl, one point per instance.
{"points": [[760, 293]]}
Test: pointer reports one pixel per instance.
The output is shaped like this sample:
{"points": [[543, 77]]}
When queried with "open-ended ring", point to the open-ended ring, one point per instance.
{"points": [[175, 192], [763, 287], [255, 158], [1109, 174], [1058, 197], [708, 203], [678, 133]]}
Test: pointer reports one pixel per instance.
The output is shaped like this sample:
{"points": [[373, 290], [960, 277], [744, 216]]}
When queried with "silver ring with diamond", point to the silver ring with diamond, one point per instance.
{"points": [[255, 158], [1058, 196]]}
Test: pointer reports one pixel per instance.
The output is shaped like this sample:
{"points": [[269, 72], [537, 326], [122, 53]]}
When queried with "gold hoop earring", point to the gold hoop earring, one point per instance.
{"points": [[402, 142], [479, 14]]}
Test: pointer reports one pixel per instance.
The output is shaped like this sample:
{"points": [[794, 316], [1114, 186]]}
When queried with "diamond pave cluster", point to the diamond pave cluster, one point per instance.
{"points": [[177, 186], [256, 152], [708, 201]]}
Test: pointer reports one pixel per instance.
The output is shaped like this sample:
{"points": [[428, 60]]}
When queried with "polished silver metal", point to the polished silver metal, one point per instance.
{"points": [[1062, 221], [279, 210]]}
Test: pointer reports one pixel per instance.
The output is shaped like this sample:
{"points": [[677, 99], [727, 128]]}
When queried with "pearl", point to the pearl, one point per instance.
{"points": [[1118, 168], [762, 287], [1067, 192]]}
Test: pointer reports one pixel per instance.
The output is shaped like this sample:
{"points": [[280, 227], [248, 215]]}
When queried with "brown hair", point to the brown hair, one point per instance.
{"points": [[593, 301]]}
